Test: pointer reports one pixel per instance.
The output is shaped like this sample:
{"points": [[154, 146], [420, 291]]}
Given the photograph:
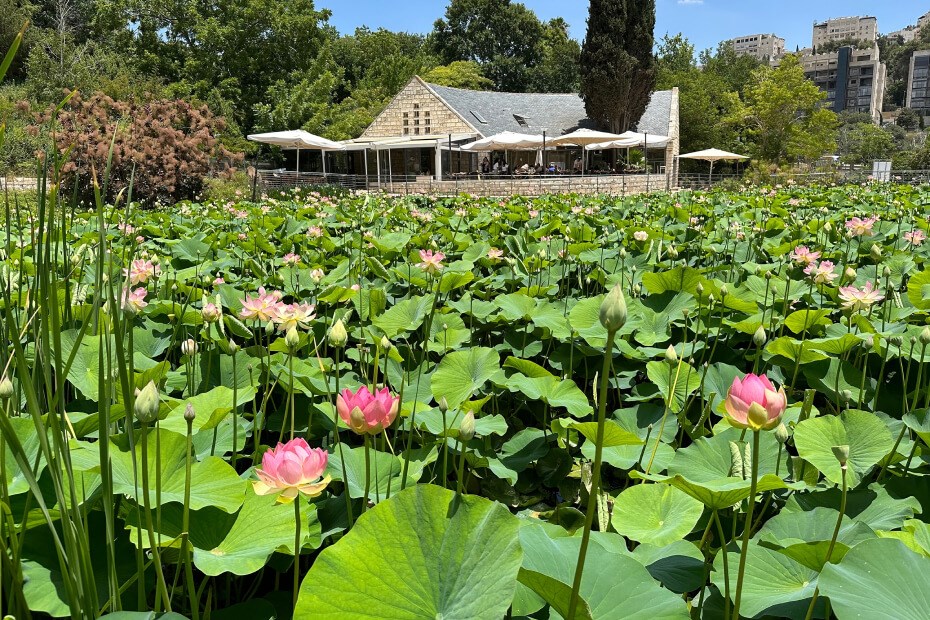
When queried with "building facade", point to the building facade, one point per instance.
{"points": [[844, 28], [853, 79], [765, 47], [918, 93]]}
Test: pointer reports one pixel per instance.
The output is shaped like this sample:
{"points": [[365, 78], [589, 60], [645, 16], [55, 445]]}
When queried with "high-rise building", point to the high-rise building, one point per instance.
{"points": [[845, 29], [761, 46], [854, 79], [918, 95], [906, 34]]}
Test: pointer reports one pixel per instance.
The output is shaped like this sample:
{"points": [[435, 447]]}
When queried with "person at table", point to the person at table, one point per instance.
{"points": [[485, 165]]}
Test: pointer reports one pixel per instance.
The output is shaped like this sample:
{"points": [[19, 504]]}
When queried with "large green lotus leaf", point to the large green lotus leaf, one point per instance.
{"points": [[679, 566], [868, 438], [614, 434], [835, 376], [210, 409], [584, 319], [463, 373], [773, 585], [551, 390], [145, 615], [557, 594], [515, 306], [636, 596], [29, 440], [878, 578], [794, 350], [684, 377], [213, 481], [657, 514], [805, 536], [678, 279], [919, 422], [723, 492], [717, 381], [431, 421], [918, 290], [425, 553], [915, 534], [261, 527], [404, 316], [872, 506], [802, 320], [386, 471]]}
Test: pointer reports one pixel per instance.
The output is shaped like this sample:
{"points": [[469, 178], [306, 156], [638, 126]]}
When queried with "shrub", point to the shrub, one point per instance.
{"points": [[166, 148]]}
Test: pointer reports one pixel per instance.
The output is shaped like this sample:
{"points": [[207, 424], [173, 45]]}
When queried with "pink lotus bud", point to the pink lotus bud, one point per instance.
{"points": [[365, 412], [754, 403]]}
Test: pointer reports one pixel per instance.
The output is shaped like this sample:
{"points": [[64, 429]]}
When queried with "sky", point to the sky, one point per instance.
{"points": [[703, 22]]}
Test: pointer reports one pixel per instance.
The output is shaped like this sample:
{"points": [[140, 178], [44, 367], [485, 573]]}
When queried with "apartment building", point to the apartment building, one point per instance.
{"points": [[854, 79], [906, 34], [918, 93], [845, 28], [762, 46]]}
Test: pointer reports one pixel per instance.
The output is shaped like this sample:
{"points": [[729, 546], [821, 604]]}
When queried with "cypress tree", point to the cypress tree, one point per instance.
{"points": [[618, 68]]}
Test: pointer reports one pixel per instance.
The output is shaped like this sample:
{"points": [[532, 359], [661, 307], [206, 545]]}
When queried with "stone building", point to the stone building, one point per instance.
{"points": [[845, 29], [764, 47], [918, 93], [420, 130]]}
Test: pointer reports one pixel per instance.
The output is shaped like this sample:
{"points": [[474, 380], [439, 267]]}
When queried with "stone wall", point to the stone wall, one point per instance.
{"points": [[443, 120], [617, 185], [672, 150]]}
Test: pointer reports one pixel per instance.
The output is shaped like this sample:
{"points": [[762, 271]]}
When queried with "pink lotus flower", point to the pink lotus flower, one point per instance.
{"points": [[126, 229], [857, 299], [365, 412], [915, 237], [292, 468], [317, 274], [218, 281], [495, 254], [533, 213], [211, 313], [291, 259], [822, 273], [287, 316], [132, 302], [858, 227], [754, 403], [430, 262], [314, 231], [140, 271], [803, 256], [641, 235], [262, 308]]}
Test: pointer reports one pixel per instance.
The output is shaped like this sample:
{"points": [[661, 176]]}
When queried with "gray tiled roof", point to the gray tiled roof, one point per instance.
{"points": [[493, 112]]}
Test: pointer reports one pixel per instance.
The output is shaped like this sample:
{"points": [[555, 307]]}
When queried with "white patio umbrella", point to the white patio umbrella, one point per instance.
{"points": [[505, 140], [297, 139], [631, 139], [713, 155], [584, 137]]}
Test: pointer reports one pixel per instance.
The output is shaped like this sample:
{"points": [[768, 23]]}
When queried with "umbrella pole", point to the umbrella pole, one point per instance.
{"points": [[366, 170], [378, 166], [323, 156], [297, 182], [710, 177]]}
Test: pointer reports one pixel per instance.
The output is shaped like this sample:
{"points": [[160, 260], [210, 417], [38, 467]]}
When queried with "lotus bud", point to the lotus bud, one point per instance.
{"points": [[925, 336], [292, 338], [781, 433], [6, 388], [886, 272], [670, 355], [189, 347], [269, 328], [233, 347], [443, 405], [148, 402], [467, 427], [849, 274], [189, 414], [724, 291], [875, 252], [828, 226], [846, 395], [672, 252], [699, 289], [842, 454], [613, 310], [711, 299], [637, 290], [896, 340], [622, 253], [387, 345], [868, 342], [759, 338], [338, 335], [769, 275]]}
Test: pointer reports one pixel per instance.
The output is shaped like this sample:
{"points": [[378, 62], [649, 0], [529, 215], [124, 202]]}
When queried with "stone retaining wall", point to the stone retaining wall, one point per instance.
{"points": [[621, 185]]}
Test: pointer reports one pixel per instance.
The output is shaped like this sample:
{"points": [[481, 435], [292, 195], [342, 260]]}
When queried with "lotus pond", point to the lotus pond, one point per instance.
{"points": [[666, 406]]}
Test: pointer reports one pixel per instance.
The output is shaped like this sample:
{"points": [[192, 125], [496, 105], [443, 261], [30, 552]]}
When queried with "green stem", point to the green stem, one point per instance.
{"points": [[726, 565], [146, 502], [747, 529], [367, 474], [595, 475], [836, 533], [185, 527], [296, 547]]}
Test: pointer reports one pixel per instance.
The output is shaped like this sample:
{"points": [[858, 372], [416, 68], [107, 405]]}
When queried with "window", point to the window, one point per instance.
{"points": [[427, 130], [920, 84], [919, 93], [416, 131]]}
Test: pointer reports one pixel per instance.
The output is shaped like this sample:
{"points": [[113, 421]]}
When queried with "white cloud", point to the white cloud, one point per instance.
{"points": [[690, 1]]}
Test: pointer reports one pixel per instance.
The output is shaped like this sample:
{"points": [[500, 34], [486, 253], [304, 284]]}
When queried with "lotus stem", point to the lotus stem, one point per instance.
{"points": [[595, 474], [147, 505], [747, 529], [367, 474], [185, 526], [296, 547], [836, 533]]}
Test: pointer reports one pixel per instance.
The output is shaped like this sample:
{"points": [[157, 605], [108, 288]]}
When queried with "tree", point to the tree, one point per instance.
{"points": [[675, 54], [908, 119], [782, 117], [504, 38], [734, 68], [558, 70], [459, 74], [864, 143], [617, 65]]}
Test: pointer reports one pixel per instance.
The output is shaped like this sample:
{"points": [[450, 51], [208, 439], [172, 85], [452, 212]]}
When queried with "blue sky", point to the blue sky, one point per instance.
{"points": [[704, 22]]}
